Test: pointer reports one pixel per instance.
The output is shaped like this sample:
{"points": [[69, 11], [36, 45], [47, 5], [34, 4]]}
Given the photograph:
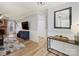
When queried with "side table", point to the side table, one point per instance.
{"points": [[62, 46]]}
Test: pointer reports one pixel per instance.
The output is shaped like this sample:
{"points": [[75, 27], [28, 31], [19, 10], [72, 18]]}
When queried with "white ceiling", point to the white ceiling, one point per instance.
{"points": [[22, 9]]}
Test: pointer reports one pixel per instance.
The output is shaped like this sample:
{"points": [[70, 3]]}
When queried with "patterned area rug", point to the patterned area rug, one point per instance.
{"points": [[10, 46]]}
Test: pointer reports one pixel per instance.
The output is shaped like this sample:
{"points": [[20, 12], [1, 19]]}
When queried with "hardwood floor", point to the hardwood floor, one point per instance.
{"points": [[32, 49]]}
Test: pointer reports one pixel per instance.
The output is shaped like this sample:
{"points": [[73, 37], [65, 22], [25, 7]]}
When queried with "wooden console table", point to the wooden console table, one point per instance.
{"points": [[62, 45]]}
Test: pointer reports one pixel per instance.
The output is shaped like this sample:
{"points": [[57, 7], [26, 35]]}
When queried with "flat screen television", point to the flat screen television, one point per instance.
{"points": [[25, 25]]}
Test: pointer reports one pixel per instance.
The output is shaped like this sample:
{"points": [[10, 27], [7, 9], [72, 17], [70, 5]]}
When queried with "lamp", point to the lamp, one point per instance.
{"points": [[75, 30]]}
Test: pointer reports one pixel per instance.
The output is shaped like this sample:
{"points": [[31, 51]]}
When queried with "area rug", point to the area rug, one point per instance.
{"points": [[10, 47]]}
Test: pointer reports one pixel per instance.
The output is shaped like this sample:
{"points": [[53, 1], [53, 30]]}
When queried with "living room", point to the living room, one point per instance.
{"points": [[30, 26], [21, 24]]}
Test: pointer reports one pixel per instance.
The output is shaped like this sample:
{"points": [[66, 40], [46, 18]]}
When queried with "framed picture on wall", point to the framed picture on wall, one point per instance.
{"points": [[62, 18]]}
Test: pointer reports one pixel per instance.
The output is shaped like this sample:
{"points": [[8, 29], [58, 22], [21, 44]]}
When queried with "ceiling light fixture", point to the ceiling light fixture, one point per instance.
{"points": [[41, 3]]}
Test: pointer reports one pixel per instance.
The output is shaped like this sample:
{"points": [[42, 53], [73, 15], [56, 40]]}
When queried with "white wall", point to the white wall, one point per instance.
{"points": [[42, 25], [75, 19], [33, 21], [37, 26]]}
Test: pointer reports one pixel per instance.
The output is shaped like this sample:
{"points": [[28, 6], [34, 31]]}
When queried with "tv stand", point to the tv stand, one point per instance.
{"points": [[24, 34], [24, 30]]}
